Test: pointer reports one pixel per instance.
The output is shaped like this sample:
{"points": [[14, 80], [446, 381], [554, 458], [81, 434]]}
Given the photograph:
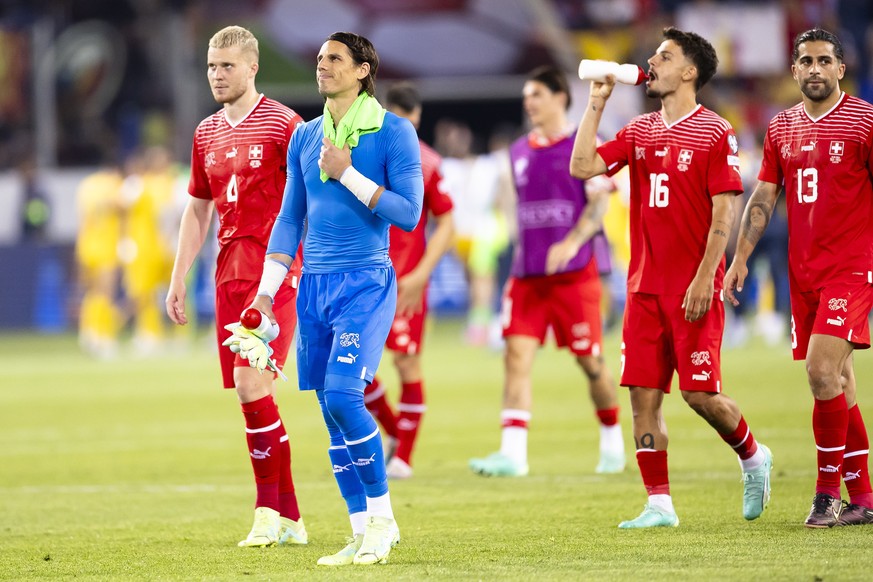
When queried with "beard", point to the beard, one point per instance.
{"points": [[818, 93]]}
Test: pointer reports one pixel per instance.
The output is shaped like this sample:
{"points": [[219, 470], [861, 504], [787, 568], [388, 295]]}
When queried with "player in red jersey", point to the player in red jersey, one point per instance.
{"points": [[821, 152], [684, 177], [238, 167], [414, 258]]}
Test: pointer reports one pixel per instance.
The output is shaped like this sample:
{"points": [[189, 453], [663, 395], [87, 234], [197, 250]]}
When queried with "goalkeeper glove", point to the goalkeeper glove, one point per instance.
{"points": [[252, 348]]}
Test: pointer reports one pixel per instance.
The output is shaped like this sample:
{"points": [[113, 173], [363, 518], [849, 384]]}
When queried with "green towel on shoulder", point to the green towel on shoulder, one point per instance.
{"points": [[364, 116]]}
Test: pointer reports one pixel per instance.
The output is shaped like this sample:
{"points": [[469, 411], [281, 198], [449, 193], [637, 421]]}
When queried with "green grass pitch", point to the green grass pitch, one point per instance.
{"points": [[136, 469]]}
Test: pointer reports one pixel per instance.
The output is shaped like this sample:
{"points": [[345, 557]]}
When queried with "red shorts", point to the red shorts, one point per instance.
{"points": [[840, 309], [569, 303], [407, 333], [231, 299], [656, 340]]}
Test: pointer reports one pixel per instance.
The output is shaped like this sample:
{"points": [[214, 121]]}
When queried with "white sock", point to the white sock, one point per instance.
{"points": [[513, 444], [754, 461], [513, 439], [380, 506], [664, 502], [611, 440], [359, 522]]}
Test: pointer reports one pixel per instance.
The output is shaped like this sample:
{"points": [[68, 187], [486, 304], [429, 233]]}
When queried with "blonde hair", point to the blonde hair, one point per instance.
{"points": [[231, 36]]}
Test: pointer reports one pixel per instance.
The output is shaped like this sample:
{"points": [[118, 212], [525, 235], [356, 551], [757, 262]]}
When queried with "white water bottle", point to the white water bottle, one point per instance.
{"points": [[591, 70], [259, 324]]}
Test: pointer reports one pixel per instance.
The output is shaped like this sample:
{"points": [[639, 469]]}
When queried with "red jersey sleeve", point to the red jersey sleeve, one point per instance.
{"points": [[198, 184], [771, 170], [615, 152], [724, 167], [435, 197]]}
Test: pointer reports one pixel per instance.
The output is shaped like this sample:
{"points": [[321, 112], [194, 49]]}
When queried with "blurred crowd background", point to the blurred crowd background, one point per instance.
{"points": [[99, 100]]}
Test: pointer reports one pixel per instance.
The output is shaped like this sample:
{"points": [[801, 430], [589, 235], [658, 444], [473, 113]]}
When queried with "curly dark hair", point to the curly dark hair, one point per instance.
{"points": [[698, 50], [362, 51], [814, 34]]}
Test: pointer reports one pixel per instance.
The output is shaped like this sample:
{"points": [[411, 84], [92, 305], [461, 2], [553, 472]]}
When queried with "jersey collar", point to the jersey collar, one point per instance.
{"points": [[681, 119], [246, 116], [826, 113]]}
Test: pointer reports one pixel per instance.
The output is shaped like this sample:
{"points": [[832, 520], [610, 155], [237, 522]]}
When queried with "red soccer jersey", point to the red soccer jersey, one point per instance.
{"points": [[242, 168], [825, 165], [407, 248], [675, 171]]}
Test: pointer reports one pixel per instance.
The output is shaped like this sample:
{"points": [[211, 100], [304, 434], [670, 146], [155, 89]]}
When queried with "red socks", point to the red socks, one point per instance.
{"points": [[377, 404], [271, 456], [741, 440], [410, 410], [653, 468], [830, 421], [608, 416], [287, 496], [856, 474]]}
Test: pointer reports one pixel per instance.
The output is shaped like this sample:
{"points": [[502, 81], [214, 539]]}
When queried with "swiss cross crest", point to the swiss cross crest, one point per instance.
{"points": [[256, 152], [684, 159], [837, 149]]}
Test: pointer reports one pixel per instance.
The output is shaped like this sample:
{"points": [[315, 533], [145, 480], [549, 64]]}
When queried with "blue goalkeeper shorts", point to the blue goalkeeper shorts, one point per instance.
{"points": [[343, 320]]}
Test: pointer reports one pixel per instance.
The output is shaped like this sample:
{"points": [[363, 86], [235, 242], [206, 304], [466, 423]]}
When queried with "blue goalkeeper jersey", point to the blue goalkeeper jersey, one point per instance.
{"points": [[341, 233]]}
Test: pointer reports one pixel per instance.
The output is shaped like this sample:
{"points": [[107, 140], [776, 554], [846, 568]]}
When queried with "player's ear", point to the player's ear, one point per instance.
{"points": [[363, 71], [690, 73]]}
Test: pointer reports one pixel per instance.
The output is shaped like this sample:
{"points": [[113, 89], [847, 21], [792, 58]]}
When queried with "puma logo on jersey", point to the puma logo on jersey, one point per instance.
{"points": [[348, 359], [231, 154], [703, 377], [839, 321]]}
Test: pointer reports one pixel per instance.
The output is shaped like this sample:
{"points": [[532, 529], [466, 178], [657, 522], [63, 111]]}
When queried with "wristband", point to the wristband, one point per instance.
{"points": [[272, 277], [358, 184]]}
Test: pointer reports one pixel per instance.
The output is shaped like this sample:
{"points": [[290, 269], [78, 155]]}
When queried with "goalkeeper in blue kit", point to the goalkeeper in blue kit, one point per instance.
{"points": [[352, 173]]}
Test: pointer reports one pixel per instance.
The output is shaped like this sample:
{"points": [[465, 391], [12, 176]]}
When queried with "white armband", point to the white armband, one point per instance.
{"points": [[358, 184], [272, 277]]}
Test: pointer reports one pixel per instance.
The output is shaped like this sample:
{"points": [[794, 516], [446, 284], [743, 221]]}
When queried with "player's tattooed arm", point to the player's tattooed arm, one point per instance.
{"points": [[721, 228], [758, 212]]}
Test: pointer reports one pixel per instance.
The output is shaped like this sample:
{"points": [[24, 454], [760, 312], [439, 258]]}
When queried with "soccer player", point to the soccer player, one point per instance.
{"points": [[238, 167], [555, 282], [684, 176], [352, 172], [821, 152], [99, 206], [414, 258]]}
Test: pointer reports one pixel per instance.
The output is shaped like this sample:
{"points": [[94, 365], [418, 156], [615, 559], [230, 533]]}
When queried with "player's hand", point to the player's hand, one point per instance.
{"points": [[698, 297], [175, 302], [332, 160], [410, 294], [265, 305], [560, 254], [602, 90], [734, 280]]}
